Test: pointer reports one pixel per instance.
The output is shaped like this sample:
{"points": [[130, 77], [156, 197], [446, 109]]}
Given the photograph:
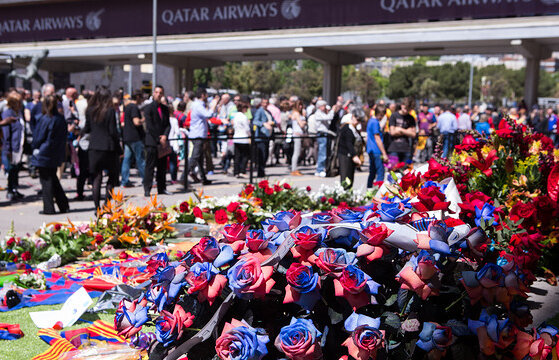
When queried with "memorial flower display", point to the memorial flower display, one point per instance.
{"points": [[439, 262]]}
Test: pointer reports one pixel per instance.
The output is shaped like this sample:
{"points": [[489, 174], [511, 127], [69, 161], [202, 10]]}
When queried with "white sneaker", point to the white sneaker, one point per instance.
{"points": [[322, 174], [316, 174]]}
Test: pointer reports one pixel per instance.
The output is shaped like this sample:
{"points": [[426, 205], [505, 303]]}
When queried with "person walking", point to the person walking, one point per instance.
{"points": [[347, 156], [447, 124], [133, 137], [157, 148], [104, 145], [199, 116], [263, 122], [14, 137], [49, 142], [375, 147], [241, 140], [323, 120], [298, 125]]}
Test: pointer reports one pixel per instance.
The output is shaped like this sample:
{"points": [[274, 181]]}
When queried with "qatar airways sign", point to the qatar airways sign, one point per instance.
{"points": [[108, 18]]}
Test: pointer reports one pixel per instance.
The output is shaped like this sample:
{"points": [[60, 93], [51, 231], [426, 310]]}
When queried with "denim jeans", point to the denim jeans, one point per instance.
{"points": [[13, 173], [322, 153], [448, 144], [135, 149], [376, 167]]}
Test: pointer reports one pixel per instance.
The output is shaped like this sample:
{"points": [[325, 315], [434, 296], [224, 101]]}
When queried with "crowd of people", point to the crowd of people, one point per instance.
{"points": [[96, 133]]}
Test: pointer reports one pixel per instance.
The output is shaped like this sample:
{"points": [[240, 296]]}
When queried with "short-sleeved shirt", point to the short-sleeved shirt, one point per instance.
{"points": [[372, 130], [401, 144], [132, 133], [425, 120]]}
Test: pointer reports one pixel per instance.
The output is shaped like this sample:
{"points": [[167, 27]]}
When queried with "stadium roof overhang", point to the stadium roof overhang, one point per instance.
{"points": [[342, 45]]}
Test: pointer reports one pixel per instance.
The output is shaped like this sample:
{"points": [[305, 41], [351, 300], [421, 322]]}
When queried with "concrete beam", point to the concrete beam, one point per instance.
{"points": [[531, 49], [185, 61], [70, 66], [332, 57], [331, 82]]}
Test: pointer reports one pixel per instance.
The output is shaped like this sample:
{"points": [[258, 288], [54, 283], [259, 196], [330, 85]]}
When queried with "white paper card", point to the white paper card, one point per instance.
{"points": [[71, 311]]}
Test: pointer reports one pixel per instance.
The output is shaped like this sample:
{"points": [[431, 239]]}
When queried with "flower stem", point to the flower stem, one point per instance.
{"points": [[456, 301], [406, 306]]}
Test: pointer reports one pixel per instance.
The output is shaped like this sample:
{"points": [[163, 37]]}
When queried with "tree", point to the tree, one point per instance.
{"points": [[361, 83]]}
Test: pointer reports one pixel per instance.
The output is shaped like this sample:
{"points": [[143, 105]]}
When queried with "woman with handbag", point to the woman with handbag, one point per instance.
{"points": [[104, 145], [49, 145], [14, 139]]}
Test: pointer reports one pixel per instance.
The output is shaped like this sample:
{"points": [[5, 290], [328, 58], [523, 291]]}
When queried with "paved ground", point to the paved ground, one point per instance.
{"points": [[26, 218]]}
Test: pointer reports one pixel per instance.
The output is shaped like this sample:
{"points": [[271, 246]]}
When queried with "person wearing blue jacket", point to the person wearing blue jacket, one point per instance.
{"points": [[49, 149], [14, 137]]}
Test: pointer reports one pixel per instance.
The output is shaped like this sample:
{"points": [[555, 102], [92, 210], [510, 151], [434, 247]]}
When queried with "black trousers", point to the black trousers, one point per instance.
{"points": [[197, 158], [261, 157], [84, 171], [52, 189], [241, 158], [347, 170], [98, 161], [153, 161]]}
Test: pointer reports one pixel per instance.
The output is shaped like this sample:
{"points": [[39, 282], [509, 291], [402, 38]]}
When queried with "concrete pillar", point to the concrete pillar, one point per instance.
{"points": [[178, 77], [331, 82], [188, 79], [531, 80]]}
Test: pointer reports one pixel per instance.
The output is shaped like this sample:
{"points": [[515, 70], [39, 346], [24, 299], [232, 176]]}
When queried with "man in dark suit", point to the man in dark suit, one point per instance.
{"points": [[157, 131]]}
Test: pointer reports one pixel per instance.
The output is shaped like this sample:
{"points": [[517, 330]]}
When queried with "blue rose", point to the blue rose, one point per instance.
{"points": [[299, 340], [283, 221], [434, 336], [486, 213], [392, 211], [442, 187], [350, 216], [303, 288], [321, 218], [240, 341]]}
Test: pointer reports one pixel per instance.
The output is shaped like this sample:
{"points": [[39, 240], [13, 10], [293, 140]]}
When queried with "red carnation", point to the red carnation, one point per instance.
{"points": [[241, 216], [221, 216], [26, 256], [309, 189], [249, 189], [331, 201], [232, 207], [11, 241], [183, 207], [197, 212], [269, 191], [410, 180], [277, 188], [57, 227], [430, 199], [286, 186], [263, 184]]}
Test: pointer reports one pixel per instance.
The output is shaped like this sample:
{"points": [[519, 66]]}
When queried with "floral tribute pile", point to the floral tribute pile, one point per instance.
{"points": [[438, 266]]}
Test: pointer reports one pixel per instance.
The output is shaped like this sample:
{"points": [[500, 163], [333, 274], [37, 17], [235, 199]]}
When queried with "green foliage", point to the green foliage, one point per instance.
{"points": [[361, 82]]}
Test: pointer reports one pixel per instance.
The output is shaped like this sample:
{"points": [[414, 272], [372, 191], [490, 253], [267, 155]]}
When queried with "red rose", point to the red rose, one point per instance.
{"points": [[430, 199], [123, 255], [277, 188], [546, 209], [269, 191], [232, 207], [98, 238], [473, 200], [286, 186], [410, 180], [197, 212], [323, 199], [26, 256], [241, 216], [523, 211], [11, 241], [331, 201], [263, 184], [183, 207], [343, 205], [375, 234], [309, 189], [436, 171], [468, 143], [221, 216], [249, 189], [57, 227], [126, 228]]}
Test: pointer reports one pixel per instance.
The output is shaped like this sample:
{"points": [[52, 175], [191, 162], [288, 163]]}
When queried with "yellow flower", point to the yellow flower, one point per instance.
{"points": [[536, 147], [556, 155]]}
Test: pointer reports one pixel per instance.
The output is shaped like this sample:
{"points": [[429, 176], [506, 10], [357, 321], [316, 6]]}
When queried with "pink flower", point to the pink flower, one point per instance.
{"points": [[204, 279], [235, 235], [249, 280], [372, 241]]}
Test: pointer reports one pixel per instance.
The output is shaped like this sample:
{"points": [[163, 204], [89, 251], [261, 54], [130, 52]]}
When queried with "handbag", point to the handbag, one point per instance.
{"points": [[164, 150]]}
